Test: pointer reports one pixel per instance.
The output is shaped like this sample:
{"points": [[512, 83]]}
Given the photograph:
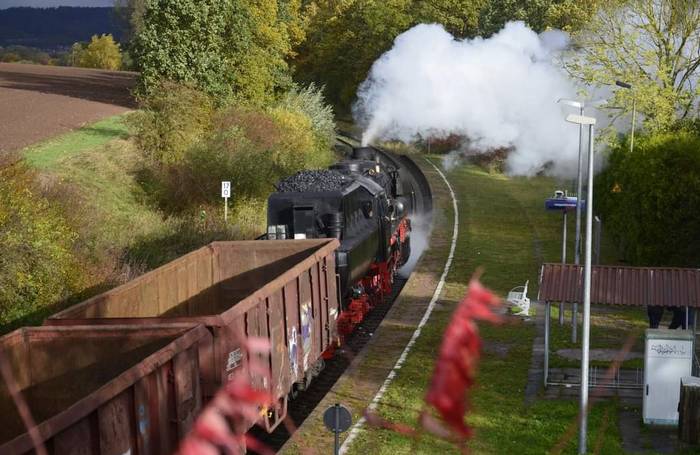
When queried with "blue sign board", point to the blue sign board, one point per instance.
{"points": [[563, 203]]}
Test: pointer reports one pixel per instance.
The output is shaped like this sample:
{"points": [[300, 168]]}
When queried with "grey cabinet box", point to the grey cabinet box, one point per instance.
{"points": [[668, 356]]}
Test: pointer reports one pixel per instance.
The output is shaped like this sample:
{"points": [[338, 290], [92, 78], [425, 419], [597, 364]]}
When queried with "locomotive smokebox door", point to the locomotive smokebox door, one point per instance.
{"points": [[304, 222]]}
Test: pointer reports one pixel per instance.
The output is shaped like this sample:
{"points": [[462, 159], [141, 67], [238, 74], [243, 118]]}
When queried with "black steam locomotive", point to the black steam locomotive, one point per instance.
{"points": [[367, 202]]}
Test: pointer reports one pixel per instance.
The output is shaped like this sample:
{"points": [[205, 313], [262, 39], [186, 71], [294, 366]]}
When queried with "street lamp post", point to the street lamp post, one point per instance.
{"points": [[585, 338], [627, 86], [581, 105]]}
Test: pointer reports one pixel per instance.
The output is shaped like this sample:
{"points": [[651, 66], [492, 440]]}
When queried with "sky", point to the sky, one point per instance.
{"points": [[49, 3]]}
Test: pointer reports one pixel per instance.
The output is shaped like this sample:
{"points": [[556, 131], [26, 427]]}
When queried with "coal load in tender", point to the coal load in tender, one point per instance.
{"points": [[313, 181]]}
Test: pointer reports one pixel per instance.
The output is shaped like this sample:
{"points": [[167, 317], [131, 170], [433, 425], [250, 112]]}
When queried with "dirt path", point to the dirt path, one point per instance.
{"points": [[356, 388], [38, 102]]}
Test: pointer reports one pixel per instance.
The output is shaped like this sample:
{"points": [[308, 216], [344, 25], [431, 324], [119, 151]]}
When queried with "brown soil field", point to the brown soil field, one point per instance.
{"points": [[38, 102]]}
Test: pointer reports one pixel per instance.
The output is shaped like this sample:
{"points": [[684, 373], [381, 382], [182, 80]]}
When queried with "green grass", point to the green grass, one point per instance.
{"points": [[504, 229], [97, 174], [46, 154], [94, 171]]}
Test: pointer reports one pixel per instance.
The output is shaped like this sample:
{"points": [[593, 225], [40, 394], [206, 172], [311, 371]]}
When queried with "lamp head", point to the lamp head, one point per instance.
{"points": [[572, 103], [580, 119]]}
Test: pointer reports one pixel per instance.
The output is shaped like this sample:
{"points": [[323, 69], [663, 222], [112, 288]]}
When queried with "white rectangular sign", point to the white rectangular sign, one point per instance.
{"points": [[225, 189]]}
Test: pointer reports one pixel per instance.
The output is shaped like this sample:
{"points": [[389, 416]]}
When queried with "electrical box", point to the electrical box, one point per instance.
{"points": [[668, 356]]}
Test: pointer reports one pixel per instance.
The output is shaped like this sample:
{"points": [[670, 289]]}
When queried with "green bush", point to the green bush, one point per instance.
{"points": [[309, 101], [184, 41], [181, 235], [253, 148], [650, 199], [226, 48], [173, 118], [24, 54], [37, 264]]}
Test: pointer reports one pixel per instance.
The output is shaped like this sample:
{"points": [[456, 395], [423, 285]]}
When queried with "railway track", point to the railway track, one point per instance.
{"points": [[304, 404]]}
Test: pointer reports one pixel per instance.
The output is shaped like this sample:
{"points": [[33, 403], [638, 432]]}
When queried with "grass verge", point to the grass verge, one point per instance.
{"points": [[45, 154]]}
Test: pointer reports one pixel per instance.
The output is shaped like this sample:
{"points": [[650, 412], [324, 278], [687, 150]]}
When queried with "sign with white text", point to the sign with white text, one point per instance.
{"points": [[225, 189]]}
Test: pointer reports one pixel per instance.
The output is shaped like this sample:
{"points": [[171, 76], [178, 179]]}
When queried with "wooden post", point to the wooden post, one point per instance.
{"points": [[689, 411]]}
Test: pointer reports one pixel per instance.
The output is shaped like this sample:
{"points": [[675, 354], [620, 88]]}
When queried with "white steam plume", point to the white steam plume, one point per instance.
{"points": [[499, 92]]}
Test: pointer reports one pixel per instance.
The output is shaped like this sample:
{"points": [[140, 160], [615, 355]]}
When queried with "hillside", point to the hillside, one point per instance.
{"points": [[55, 28]]}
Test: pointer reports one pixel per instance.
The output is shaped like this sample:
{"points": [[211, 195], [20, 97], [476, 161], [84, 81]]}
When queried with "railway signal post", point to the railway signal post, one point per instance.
{"points": [[225, 193], [562, 202], [585, 337]]}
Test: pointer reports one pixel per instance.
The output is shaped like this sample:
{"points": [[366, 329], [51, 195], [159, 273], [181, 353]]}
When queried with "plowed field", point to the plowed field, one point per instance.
{"points": [[38, 102]]}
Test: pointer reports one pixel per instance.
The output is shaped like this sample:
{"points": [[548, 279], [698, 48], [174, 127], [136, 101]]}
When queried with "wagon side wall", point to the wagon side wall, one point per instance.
{"points": [[297, 317], [146, 409]]}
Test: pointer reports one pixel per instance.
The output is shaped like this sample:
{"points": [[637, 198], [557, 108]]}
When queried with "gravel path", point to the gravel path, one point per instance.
{"points": [[38, 102]]}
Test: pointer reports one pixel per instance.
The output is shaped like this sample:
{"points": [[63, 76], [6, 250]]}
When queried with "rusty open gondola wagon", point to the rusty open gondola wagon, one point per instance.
{"points": [[284, 291], [103, 389]]}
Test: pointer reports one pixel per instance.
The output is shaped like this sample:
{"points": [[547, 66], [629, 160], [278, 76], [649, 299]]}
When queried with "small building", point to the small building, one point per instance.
{"points": [[619, 285]]}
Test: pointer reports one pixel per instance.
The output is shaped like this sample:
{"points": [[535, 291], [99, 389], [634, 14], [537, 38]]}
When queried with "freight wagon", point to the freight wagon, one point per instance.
{"points": [[106, 390], [284, 291]]}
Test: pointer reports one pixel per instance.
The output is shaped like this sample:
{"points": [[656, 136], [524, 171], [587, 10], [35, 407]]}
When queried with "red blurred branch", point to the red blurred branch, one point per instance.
{"points": [[222, 425], [455, 371]]}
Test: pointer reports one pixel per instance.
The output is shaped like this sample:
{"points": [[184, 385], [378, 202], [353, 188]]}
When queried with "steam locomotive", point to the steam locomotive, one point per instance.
{"points": [[367, 201]]}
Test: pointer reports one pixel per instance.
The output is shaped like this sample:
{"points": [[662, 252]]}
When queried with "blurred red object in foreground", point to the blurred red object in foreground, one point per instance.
{"points": [[455, 369], [222, 425]]}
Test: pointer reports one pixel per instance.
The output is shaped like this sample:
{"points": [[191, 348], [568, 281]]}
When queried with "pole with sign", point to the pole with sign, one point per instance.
{"points": [[562, 203], [337, 419], [226, 193], [581, 106]]}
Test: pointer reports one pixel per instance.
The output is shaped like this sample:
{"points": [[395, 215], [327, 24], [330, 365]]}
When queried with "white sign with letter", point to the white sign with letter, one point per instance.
{"points": [[225, 190], [225, 193]]}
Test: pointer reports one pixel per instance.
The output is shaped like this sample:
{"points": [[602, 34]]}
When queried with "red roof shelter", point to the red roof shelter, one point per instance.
{"points": [[617, 285]]}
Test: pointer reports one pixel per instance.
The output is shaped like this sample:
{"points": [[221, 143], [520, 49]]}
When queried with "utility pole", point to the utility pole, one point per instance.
{"points": [[585, 341], [581, 106]]}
